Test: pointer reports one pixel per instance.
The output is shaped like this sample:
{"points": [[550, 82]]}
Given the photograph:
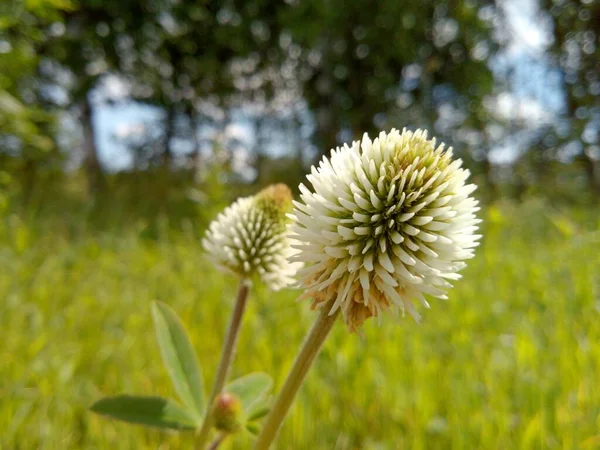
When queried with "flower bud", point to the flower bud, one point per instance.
{"points": [[227, 412]]}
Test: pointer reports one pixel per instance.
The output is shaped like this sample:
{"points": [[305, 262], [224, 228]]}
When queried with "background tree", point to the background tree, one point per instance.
{"points": [[301, 76], [365, 65], [27, 125], [576, 52]]}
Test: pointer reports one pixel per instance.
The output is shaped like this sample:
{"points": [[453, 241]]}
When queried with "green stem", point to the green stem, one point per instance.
{"points": [[312, 344], [218, 441], [225, 362]]}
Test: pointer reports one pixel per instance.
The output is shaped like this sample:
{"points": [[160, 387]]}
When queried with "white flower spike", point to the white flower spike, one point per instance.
{"points": [[387, 221], [249, 238]]}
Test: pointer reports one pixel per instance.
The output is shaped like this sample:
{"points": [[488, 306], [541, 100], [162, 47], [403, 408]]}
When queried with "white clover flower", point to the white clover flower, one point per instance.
{"points": [[249, 238], [388, 221]]}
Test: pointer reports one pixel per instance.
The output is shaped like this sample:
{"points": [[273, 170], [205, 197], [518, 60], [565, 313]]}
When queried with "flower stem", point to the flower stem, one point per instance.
{"points": [[225, 362], [218, 441], [310, 348]]}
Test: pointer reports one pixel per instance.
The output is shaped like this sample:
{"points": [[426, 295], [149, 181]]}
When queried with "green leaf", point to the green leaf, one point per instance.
{"points": [[258, 411], [179, 357], [253, 428], [250, 388], [151, 411]]}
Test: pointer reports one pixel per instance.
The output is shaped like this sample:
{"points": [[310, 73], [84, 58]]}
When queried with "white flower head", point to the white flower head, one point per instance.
{"points": [[387, 221], [250, 239]]}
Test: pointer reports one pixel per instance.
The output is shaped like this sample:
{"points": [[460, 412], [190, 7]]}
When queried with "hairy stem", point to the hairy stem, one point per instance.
{"points": [[310, 348], [225, 362]]}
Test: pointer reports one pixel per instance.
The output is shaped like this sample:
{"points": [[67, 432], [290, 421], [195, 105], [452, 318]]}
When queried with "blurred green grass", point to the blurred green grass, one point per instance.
{"points": [[512, 360]]}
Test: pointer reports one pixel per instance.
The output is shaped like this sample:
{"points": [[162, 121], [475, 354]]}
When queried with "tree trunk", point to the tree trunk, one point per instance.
{"points": [[593, 173], [488, 172], [91, 163], [169, 133], [196, 155], [29, 178], [326, 133]]}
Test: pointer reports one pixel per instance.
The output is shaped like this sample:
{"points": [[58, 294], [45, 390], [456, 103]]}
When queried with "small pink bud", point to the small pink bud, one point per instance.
{"points": [[226, 412]]}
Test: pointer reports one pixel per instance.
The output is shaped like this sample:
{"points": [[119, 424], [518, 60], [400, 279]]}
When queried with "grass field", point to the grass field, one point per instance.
{"points": [[511, 361]]}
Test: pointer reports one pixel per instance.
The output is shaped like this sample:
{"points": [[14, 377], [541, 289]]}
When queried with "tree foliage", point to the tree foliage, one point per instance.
{"points": [[350, 67], [26, 125]]}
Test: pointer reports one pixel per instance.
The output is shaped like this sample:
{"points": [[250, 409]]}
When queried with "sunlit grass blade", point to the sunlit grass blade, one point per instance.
{"points": [[150, 411], [179, 358]]}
